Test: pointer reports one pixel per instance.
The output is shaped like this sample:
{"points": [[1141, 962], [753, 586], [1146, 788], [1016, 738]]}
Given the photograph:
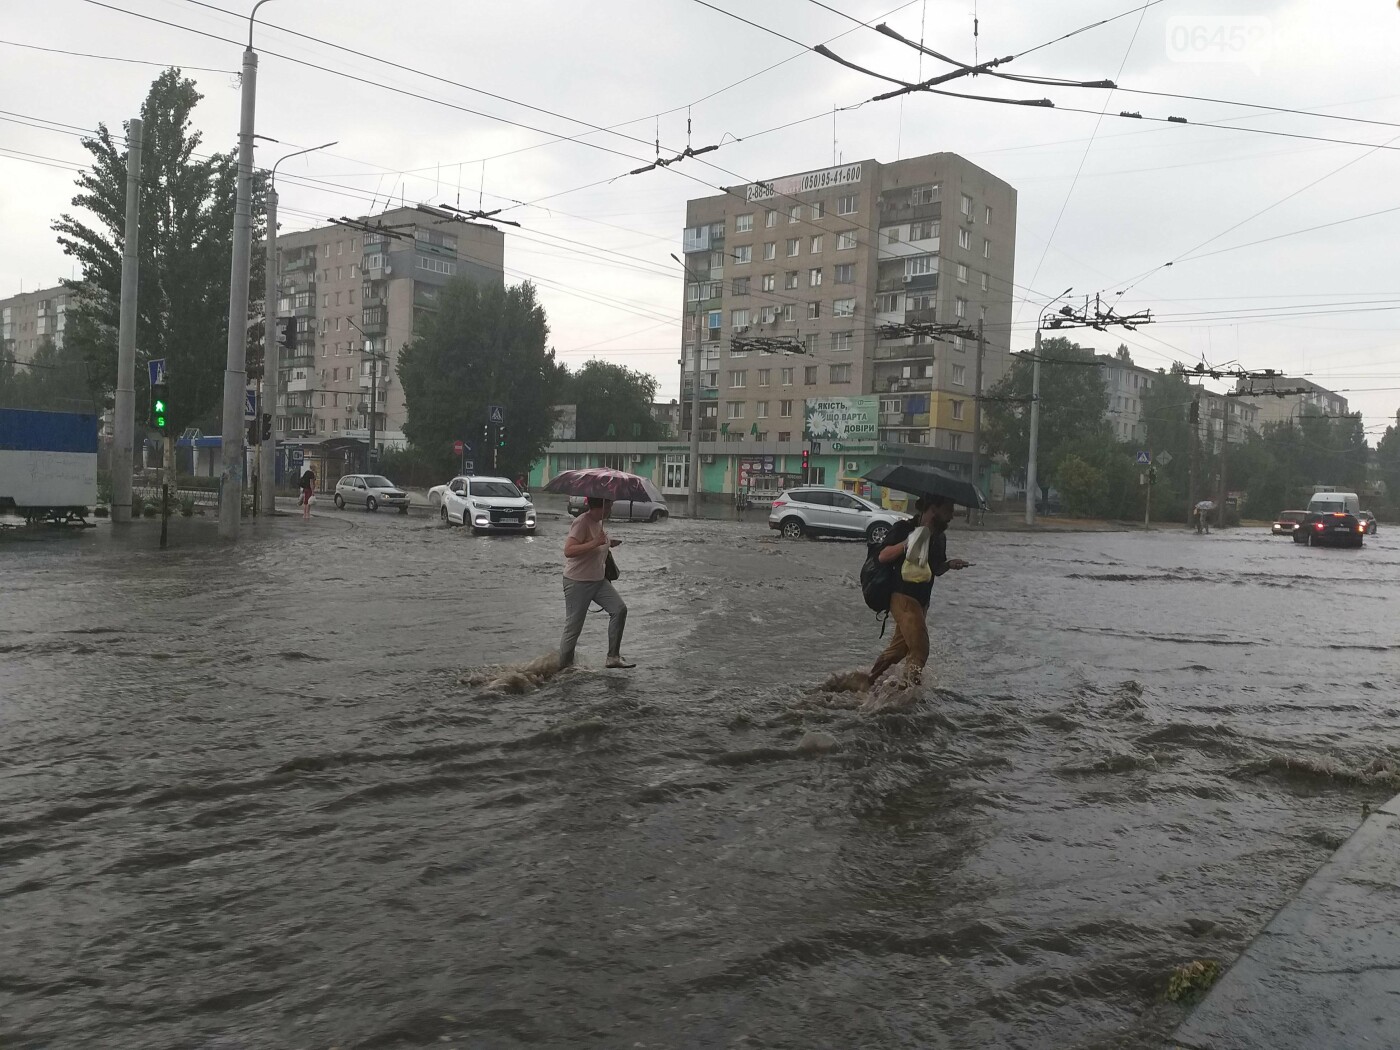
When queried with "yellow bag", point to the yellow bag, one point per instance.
{"points": [[916, 568]]}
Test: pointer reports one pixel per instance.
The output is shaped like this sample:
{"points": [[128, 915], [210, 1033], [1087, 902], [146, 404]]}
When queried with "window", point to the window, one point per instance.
{"points": [[923, 194], [790, 279], [327, 253], [783, 435], [763, 376], [770, 250], [767, 282], [848, 204], [923, 231], [841, 340], [351, 294], [743, 223], [987, 215], [770, 218], [795, 213], [762, 412], [743, 254], [738, 378], [814, 277], [964, 240], [435, 265], [815, 247], [738, 353], [717, 263], [843, 308], [735, 409], [767, 314], [740, 286], [786, 313], [985, 282], [840, 373], [739, 318], [959, 375], [787, 381], [354, 272], [817, 208], [337, 298], [845, 273], [323, 349], [340, 273], [986, 248], [692, 292], [891, 404], [845, 239], [794, 245], [709, 379], [335, 375], [337, 324], [958, 409], [814, 311], [892, 235], [921, 302], [960, 307], [352, 244], [918, 265], [785, 407], [962, 273], [325, 300], [809, 375]]}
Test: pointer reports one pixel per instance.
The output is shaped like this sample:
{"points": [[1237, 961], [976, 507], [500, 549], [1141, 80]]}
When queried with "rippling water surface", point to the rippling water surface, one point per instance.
{"points": [[280, 796]]}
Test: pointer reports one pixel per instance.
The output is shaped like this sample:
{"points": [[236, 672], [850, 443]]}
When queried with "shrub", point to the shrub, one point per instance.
{"points": [[187, 506]]}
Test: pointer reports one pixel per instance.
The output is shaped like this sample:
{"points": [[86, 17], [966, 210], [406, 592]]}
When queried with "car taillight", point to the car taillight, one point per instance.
{"points": [[779, 503], [1319, 526]]}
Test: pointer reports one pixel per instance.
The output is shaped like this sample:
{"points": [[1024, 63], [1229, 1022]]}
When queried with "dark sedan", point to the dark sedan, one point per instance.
{"points": [[1330, 529]]}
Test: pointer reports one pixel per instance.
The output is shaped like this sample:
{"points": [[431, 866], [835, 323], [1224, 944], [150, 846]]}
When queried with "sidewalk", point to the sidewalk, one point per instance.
{"points": [[1325, 972]]}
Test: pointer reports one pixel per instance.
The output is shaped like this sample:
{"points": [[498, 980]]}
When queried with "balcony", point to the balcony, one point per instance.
{"points": [[898, 212], [301, 381], [299, 263], [904, 352], [308, 310], [897, 384], [904, 420], [297, 358], [374, 321], [367, 381], [928, 315], [372, 295]]}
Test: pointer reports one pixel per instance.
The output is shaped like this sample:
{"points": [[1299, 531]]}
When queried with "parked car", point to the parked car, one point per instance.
{"points": [[370, 491], [1330, 529], [1368, 520], [652, 509], [1287, 521], [816, 511], [486, 504]]}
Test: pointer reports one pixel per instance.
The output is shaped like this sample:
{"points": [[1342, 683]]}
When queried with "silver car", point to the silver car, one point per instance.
{"points": [[653, 508], [815, 511], [370, 491]]}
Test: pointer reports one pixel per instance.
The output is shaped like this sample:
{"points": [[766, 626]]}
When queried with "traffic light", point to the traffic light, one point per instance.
{"points": [[267, 426], [252, 434], [806, 464], [158, 406], [501, 436], [287, 332]]}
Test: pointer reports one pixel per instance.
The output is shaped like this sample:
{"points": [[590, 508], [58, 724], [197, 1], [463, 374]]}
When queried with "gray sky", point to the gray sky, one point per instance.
{"points": [[1101, 201]]}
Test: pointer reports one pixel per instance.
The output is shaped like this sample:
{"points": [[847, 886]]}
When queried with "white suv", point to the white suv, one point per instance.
{"points": [[816, 511], [487, 505]]}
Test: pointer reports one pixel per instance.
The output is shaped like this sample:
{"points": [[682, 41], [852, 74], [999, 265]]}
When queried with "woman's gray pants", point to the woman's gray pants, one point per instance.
{"points": [[578, 596]]}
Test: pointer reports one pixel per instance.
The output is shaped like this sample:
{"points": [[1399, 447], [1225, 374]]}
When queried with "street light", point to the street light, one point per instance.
{"points": [[694, 493], [1031, 482], [373, 386], [267, 451]]}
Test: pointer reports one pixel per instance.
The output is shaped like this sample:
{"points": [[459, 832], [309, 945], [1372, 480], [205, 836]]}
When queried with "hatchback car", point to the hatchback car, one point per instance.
{"points": [[1368, 521], [487, 505], [1287, 521], [651, 509], [370, 491], [1330, 529], [814, 511]]}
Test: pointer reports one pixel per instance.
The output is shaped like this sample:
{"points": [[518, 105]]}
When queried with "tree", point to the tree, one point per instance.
{"points": [[185, 253], [483, 346], [614, 402], [1388, 462], [1073, 405], [1166, 409]]}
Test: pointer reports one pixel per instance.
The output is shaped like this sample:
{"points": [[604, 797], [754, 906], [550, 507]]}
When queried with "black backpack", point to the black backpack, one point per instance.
{"points": [[877, 580]]}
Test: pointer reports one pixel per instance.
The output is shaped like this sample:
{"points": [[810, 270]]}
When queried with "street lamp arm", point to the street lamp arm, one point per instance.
{"points": [[251, 16], [298, 153]]}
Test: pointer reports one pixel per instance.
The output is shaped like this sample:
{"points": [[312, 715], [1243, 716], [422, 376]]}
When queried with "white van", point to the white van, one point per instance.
{"points": [[1327, 502]]}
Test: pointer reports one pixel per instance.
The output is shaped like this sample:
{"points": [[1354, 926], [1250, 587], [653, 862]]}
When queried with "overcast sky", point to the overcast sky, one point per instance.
{"points": [[1101, 201]]}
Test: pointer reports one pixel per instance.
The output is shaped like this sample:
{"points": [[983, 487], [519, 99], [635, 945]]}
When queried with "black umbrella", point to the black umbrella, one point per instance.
{"points": [[926, 481]]}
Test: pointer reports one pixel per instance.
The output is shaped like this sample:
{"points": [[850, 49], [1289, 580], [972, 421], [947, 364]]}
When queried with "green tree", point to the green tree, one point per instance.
{"points": [[483, 346], [1166, 417], [1083, 488], [185, 253], [1388, 462], [614, 402], [1073, 405]]}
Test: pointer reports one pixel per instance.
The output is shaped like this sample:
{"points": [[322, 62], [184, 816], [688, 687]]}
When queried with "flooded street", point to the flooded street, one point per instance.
{"points": [[247, 800]]}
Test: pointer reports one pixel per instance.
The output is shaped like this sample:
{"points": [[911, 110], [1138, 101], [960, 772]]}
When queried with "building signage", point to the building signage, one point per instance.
{"points": [[673, 448], [842, 419], [812, 180]]}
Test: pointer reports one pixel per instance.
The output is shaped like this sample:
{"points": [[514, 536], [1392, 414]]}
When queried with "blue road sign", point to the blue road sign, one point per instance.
{"points": [[250, 404], [1144, 458], [298, 455], [497, 413], [156, 368], [466, 448], [468, 466]]}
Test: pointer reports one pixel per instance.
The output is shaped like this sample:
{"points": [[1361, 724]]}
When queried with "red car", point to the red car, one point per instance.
{"points": [[1287, 521]]}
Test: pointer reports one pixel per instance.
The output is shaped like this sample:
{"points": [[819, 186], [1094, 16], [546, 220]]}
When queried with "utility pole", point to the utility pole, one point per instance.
{"points": [[1031, 484], [693, 497], [1151, 482], [124, 410], [235, 372], [1224, 455], [267, 450], [977, 412], [1195, 411]]}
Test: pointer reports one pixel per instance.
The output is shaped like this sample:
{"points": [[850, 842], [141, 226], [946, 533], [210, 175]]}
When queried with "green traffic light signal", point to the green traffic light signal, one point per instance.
{"points": [[158, 411]]}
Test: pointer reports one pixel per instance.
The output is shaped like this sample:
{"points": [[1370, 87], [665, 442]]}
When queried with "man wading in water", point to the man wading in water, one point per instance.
{"points": [[586, 582], [909, 602]]}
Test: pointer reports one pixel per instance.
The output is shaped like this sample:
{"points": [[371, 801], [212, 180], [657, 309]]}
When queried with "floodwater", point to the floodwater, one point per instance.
{"points": [[247, 800]]}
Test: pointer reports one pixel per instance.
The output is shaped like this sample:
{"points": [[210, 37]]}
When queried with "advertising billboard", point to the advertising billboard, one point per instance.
{"points": [[843, 421]]}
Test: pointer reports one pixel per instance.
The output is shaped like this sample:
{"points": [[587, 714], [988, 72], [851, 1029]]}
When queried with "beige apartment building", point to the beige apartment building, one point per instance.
{"points": [[28, 318], [827, 256], [357, 297], [1273, 408]]}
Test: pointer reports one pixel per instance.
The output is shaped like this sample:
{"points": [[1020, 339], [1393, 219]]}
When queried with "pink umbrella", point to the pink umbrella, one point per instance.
{"points": [[601, 483]]}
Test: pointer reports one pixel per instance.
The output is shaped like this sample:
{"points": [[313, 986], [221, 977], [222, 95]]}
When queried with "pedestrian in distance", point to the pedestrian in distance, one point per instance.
{"points": [[910, 601], [308, 490], [586, 583]]}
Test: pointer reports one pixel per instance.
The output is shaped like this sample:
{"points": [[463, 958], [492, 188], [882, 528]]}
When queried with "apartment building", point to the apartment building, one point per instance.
{"points": [[357, 297], [1126, 385], [27, 319], [824, 258], [1273, 408]]}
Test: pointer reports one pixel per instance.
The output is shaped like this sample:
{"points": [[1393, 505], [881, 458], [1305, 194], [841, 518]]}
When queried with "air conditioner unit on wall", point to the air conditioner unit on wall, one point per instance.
{"points": [[707, 459], [852, 465], [636, 457]]}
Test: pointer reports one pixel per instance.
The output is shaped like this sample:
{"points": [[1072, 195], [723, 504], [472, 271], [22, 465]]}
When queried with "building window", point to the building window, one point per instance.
{"points": [[770, 218], [845, 239], [962, 273], [918, 265], [354, 272], [762, 412], [770, 250], [955, 442], [710, 379], [986, 248], [809, 375], [815, 247], [790, 279], [892, 235], [785, 435], [845, 273], [738, 379], [814, 310], [795, 213], [923, 194], [818, 209], [891, 405], [785, 407], [763, 375], [735, 409], [960, 307], [743, 254], [924, 231], [786, 312], [840, 373], [740, 286], [787, 379], [739, 318], [814, 277], [435, 265], [964, 240], [841, 340], [957, 409], [325, 300], [337, 298], [985, 282], [848, 204], [743, 223], [843, 308], [959, 375], [966, 205], [987, 215], [765, 282], [351, 294], [340, 273]]}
